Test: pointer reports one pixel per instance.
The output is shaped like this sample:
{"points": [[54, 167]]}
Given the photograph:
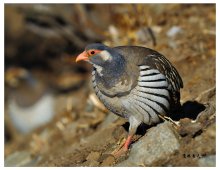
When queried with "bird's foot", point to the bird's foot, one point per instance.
{"points": [[123, 147]]}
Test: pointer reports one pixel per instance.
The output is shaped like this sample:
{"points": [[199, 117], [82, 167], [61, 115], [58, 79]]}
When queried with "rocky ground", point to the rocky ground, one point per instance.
{"points": [[83, 132]]}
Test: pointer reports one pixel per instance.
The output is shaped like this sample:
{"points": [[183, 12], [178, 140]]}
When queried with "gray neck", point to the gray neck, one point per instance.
{"points": [[110, 73], [111, 69]]}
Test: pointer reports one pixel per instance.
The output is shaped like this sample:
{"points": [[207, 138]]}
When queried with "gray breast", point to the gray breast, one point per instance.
{"points": [[113, 104]]}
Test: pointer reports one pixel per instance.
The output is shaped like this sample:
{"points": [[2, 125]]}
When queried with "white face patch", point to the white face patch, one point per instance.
{"points": [[105, 55], [98, 69]]}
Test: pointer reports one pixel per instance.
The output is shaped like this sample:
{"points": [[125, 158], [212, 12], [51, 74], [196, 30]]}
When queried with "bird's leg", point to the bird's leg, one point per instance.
{"points": [[128, 142], [123, 147], [132, 130]]}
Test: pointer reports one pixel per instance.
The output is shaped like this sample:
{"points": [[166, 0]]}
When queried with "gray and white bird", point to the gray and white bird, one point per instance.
{"points": [[134, 82]]}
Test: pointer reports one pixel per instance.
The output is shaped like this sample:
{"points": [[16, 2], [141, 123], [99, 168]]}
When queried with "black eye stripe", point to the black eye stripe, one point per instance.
{"points": [[92, 52]]}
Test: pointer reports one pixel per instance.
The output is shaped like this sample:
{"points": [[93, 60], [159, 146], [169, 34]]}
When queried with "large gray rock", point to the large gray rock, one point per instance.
{"points": [[157, 145], [208, 161]]}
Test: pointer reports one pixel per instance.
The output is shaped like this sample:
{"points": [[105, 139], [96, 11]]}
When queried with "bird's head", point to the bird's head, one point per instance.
{"points": [[106, 60], [97, 54]]}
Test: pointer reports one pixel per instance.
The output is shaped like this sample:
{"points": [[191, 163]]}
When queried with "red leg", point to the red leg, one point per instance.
{"points": [[132, 129], [124, 148], [128, 142]]}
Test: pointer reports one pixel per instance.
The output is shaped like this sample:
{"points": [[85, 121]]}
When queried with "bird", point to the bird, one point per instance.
{"points": [[30, 102], [134, 82]]}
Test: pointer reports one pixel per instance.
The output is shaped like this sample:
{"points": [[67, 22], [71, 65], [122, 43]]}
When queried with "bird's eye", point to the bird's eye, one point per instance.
{"points": [[92, 52]]}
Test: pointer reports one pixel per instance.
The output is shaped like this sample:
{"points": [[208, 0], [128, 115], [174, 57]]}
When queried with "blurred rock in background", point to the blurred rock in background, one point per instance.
{"points": [[30, 102], [43, 39]]}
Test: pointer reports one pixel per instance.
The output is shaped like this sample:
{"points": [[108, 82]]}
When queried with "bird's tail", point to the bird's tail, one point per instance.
{"points": [[175, 106]]}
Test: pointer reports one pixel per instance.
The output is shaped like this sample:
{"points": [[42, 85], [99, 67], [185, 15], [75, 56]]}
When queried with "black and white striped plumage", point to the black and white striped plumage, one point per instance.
{"points": [[134, 82]]}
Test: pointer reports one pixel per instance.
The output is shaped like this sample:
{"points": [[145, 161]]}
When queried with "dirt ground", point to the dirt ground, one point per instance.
{"points": [[83, 132]]}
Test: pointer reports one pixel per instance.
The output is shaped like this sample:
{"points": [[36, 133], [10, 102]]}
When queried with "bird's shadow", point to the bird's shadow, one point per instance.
{"points": [[189, 109]]}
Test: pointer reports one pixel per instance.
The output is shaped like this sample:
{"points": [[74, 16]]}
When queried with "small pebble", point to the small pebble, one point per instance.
{"points": [[109, 161], [173, 31], [93, 156], [92, 163]]}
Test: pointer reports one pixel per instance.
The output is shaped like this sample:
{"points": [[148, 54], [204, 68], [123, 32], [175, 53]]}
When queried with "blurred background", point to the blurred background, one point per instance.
{"points": [[52, 116]]}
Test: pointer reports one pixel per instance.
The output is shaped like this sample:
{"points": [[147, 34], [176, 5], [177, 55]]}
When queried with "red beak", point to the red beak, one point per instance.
{"points": [[82, 56]]}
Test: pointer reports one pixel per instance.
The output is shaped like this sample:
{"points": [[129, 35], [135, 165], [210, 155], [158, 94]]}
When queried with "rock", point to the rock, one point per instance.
{"points": [[172, 44], [22, 158], [173, 31], [114, 33], [93, 156], [109, 161], [89, 106], [207, 95], [187, 127], [208, 115], [208, 161], [30, 105], [110, 119], [91, 163], [206, 142], [158, 144]]}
